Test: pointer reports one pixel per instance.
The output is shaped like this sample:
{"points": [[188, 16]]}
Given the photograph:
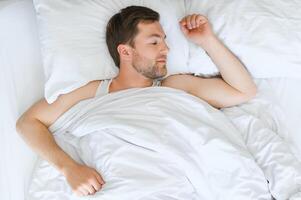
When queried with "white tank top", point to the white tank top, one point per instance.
{"points": [[103, 88]]}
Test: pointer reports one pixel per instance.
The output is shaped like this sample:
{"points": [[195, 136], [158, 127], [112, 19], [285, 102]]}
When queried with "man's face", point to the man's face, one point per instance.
{"points": [[150, 50]]}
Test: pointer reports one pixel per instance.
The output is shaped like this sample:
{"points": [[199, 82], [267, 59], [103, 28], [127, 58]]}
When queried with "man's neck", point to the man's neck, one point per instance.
{"points": [[126, 81]]}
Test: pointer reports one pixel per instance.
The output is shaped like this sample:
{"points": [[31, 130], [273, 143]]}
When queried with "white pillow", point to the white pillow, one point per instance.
{"points": [[264, 34], [20, 57], [72, 35]]}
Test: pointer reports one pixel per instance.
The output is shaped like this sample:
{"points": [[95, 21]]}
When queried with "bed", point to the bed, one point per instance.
{"points": [[22, 83]]}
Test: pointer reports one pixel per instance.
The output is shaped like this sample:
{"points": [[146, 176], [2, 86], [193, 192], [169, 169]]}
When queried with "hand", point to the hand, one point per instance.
{"points": [[83, 179], [197, 28]]}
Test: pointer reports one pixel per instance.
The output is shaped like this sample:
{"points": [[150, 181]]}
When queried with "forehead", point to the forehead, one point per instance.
{"points": [[150, 29]]}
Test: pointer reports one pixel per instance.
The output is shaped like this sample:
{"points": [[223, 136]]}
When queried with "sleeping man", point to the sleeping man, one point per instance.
{"points": [[136, 41]]}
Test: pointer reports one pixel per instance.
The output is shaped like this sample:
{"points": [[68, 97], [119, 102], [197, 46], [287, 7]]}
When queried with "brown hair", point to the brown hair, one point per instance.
{"points": [[122, 27]]}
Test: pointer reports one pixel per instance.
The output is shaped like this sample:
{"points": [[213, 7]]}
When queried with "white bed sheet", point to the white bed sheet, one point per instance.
{"points": [[18, 160], [256, 120], [22, 84], [286, 93]]}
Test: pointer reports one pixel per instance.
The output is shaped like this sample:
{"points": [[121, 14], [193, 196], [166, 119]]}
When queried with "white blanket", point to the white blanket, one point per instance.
{"points": [[261, 125], [162, 143]]}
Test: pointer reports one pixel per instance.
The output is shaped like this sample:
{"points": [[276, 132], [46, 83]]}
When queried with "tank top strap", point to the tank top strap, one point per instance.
{"points": [[156, 83], [103, 87]]}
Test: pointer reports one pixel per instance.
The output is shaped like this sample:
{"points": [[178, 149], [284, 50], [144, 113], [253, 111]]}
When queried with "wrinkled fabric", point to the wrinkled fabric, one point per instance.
{"points": [[154, 143], [259, 124], [265, 35]]}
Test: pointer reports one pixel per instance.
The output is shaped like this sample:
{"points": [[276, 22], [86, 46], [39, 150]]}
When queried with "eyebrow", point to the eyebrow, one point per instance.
{"points": [[156, 35]]}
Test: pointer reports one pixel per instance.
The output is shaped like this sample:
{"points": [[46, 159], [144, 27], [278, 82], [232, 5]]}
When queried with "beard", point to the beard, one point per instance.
{"points": [[149, 69]]}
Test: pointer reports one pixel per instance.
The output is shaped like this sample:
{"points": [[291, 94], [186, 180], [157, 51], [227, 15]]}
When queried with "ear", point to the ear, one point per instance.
{"points": [[125, 52]]}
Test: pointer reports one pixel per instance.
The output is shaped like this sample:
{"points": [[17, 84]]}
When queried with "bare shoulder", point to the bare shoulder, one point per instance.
{"points": [[179, 81], [48, 113], [213, 90]]}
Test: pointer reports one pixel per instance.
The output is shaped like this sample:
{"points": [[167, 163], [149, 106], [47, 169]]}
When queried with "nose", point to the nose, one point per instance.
{"points": [[165, 48]]}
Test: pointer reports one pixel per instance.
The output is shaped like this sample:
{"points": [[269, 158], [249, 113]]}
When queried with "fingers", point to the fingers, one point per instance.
{"points": [[184, 29], [183, 26], [81, 192], [193, 21], [84, 190], [201, 19], [97, 182], [84, 180], [89, 188], [92, 185], [96, 185], [188, 22], [99, 178], [78, 193]]}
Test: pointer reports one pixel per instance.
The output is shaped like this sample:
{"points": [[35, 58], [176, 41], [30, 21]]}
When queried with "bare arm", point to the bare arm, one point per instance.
{"points": [[235, 85], [33, 127], [231, 69]]}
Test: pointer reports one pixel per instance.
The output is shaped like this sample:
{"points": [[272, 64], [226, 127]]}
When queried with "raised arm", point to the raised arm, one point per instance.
{"points": [[235, 85], [33, 127]]}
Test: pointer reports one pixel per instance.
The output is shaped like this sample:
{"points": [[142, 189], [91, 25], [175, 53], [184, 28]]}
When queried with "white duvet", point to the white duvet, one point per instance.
{"points": [[161, 143]]}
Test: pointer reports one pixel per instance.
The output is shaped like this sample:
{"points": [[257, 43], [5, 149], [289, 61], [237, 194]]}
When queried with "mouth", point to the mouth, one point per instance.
{"points": [[161, 61]]}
